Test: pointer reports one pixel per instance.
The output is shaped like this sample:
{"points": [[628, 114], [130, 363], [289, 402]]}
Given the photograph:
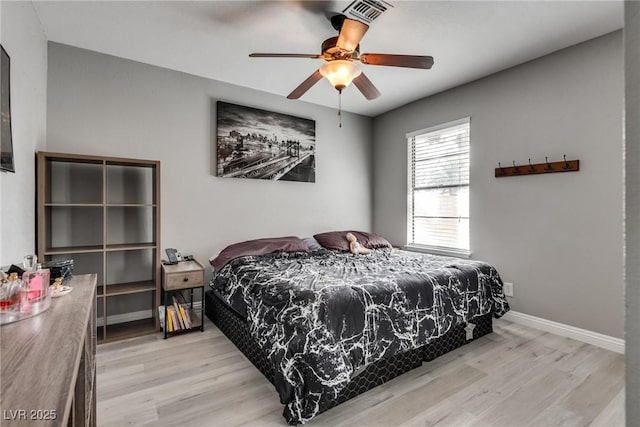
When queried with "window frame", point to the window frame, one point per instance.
{"points": [[439, 250]]}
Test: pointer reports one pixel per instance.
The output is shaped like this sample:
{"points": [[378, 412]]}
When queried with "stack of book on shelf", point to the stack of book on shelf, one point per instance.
{"points": [[178, 317]]}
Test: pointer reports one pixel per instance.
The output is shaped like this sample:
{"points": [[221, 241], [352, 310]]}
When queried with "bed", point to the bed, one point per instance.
{"points": [[324, 325]]}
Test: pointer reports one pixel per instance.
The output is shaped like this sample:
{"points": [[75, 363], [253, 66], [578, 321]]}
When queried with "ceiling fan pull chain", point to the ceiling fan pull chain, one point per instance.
{"points": [[340, 107]]}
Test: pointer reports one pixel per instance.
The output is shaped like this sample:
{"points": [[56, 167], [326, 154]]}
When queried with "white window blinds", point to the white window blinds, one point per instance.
{"points": [[438, 199]]}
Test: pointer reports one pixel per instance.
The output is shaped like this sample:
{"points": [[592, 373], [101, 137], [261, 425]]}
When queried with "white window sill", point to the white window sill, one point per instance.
{"points": [[439, 251]]}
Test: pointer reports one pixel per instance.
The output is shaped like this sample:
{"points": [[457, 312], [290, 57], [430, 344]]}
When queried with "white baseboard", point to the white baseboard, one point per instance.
{"points": [[114, 319], [589, 337]]}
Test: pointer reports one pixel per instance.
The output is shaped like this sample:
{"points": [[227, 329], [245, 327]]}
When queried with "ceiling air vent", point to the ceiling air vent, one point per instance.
{"points": [[366, 10]]}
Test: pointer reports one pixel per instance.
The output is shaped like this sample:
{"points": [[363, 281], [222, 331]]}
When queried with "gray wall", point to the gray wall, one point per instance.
{"points": [[557, 237], [104, 105], [632, 210], [22, 37]]}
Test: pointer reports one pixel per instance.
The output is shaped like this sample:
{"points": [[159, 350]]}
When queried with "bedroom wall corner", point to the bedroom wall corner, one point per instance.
{"points": [[557, 237], [105, 105], [632, 210], [24, 40]]}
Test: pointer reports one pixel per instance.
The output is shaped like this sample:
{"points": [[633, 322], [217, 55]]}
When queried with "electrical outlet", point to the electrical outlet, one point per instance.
{"points": [[508, 289]]}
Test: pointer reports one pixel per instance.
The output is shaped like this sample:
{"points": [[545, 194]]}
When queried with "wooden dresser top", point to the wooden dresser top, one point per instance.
{"points": [[39, 356]]}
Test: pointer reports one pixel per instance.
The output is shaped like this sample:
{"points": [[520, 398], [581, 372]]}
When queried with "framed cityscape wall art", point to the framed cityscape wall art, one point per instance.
{"points": [[260, 144]]}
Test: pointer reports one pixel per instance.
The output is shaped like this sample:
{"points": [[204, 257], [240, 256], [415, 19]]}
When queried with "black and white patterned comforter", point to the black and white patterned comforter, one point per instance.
{"points": [[321, 317]]}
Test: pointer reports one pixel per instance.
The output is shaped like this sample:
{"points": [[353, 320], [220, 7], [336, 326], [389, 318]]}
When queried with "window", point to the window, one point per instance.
{"points": [[438, 199]]}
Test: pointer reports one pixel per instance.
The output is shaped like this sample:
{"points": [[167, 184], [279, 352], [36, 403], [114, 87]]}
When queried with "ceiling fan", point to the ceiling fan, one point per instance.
{"points": [[340, 53]]}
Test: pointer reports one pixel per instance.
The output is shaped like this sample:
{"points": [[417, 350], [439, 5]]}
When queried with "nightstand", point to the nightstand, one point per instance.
{"points": [[186, 276]]}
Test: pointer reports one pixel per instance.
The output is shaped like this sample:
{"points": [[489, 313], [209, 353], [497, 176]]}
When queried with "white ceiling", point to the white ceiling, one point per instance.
{"points": [[468, 39]]}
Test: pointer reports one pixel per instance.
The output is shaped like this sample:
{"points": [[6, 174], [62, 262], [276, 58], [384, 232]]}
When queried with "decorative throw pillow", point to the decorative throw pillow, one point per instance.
{"points": [[337, 240], [257, 247]]}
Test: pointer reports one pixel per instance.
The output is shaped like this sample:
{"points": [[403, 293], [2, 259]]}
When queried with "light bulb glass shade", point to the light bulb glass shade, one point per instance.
{"points": [[340, 73]]}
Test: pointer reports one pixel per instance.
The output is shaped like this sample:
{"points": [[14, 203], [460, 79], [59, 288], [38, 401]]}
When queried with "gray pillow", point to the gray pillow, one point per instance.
{"points": [[312, 244], [257, 247], [337, 240]]}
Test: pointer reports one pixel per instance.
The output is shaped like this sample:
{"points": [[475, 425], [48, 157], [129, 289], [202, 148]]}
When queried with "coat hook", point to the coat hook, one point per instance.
{"points": [[548, 167], [515, 168], [566, 164], [531, 168], [502, 172]]}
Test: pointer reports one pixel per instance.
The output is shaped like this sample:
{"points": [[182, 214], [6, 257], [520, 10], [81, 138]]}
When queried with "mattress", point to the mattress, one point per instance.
{"points": [[321, 318], [237, 330]]}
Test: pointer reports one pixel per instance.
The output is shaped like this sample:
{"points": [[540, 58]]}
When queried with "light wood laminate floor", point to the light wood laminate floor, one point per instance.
{"points": [[516, 376]]}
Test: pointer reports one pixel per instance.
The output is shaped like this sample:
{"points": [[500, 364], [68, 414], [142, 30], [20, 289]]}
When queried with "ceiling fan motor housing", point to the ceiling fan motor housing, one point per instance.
{"points": [[330, 50]]}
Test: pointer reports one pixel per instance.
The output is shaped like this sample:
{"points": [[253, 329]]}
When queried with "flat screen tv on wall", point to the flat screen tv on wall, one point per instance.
{"points": [[6, 144]]}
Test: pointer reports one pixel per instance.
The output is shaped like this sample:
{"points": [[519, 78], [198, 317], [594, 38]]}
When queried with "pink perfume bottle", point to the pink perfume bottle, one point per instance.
{"points": [[26, 297], [36, 284]]}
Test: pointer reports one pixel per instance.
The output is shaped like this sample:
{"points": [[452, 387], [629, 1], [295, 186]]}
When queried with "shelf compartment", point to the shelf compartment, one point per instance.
{"points": [[129, 288], [186, 299], [74, 227], [128, 266], [83, 263], [128, 225], [195, 315], [75, 181], [127, 315], [121, 307], [124, 330], [127, 184]]}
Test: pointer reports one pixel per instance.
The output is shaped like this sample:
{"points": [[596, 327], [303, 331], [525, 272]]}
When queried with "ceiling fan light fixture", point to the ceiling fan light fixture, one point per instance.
{"points": [[340, 73]]}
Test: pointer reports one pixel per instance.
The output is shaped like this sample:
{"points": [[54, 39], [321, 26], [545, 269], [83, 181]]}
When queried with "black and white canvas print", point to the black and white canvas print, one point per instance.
{"points": [[260, 144]]}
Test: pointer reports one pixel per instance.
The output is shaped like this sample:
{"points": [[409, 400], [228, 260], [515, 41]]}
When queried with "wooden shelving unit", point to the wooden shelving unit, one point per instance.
{"points": [[104, 213]]}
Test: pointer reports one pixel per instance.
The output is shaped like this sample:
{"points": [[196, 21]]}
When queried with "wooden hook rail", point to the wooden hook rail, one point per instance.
{"points": [[537, 168]]}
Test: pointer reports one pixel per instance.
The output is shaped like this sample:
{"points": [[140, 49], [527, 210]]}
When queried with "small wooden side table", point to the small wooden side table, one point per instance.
{"points": [[184, 276]]}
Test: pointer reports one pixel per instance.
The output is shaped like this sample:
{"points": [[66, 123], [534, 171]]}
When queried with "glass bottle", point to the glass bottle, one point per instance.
{"points": [[5, 296], [29, 262], [26, 307], [36, 283], [10, 294]]}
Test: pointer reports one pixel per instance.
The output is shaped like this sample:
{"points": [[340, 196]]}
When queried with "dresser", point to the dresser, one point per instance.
{"points": [[47, 362]]}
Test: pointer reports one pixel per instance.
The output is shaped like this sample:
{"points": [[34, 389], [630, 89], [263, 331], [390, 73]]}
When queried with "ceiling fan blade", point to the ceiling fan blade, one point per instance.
{"points": [[351, 33], [365, 86], [305, 85], [409, 61], [284, 55]]}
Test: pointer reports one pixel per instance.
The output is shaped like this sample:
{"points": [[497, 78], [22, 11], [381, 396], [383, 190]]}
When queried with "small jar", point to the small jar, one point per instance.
{"points": [[10, 293]]}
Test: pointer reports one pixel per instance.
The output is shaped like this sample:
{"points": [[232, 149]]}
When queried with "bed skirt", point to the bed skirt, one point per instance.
{"points": [[237, 330]]}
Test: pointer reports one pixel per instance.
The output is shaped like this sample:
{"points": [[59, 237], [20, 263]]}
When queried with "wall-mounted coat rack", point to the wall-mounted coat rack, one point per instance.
{"points": [[532, 169]]}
